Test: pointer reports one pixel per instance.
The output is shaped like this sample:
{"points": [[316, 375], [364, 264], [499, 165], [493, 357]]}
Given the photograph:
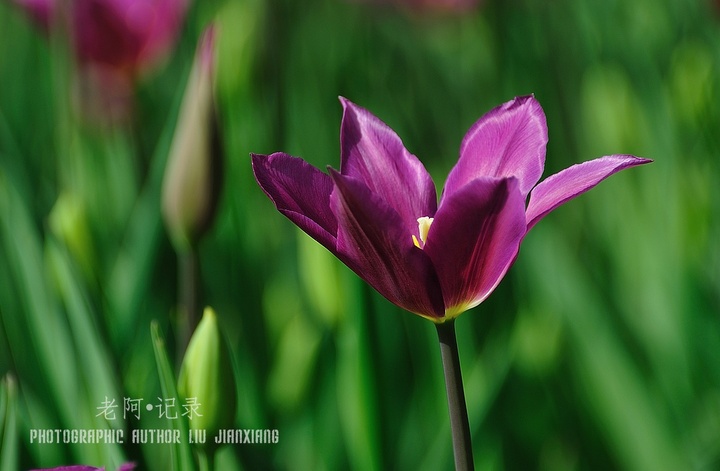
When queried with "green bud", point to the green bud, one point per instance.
{"points": [[68, 223], [193, 176], [206, 378]]}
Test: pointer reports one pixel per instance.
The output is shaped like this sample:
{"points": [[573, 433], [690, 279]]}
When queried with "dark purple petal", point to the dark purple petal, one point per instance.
{"points": [[373, 154], [373, 241], [571, 182], [127, 467], [300, 192], [508, 141], [474, 239]]}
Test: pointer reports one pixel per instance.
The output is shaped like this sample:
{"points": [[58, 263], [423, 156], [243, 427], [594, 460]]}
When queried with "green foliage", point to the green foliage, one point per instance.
{"points": [[598, 351]]}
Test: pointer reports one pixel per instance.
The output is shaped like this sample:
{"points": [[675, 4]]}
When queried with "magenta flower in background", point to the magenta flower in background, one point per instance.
{"points": [[379, 214], [130, 35], [114, 41]]}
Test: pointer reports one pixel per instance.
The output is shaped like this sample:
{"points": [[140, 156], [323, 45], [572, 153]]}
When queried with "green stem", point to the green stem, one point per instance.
{"points": [[206, 460], [188, 295], [459, 423]]}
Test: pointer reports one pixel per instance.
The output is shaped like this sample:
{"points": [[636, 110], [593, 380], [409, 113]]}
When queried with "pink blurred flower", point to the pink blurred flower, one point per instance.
{"points": [[126, 34], [114, 41]]}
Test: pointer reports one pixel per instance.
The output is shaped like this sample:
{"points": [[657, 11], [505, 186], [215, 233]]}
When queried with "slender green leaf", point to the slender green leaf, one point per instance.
{"points": [[8, 425], [52, 339], [182, 454]]}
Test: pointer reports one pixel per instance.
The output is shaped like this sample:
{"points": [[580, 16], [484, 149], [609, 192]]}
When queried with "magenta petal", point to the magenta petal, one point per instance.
{"points": [[41, 11], [508, 141], [373, 241], [573, 181], [300, 192], [474, 239], [126, 33], [161, 33], [372, 153]]}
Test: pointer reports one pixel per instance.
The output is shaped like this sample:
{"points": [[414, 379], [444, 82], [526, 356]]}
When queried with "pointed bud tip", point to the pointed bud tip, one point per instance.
{"points": [[209, 314], [206, 47], [194, 171]]}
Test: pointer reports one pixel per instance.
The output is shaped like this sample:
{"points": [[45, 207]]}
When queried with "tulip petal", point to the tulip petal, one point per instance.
{"points": [[301, 192], [160, 33], [373, 241], [474, 239], [126, 34], [372, 153], [573, 181], [508, 141]]}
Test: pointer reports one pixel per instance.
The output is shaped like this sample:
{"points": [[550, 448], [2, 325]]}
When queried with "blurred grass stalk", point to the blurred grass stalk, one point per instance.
{"points": [[60, 346], [612, 385], [8, 424], [181, 456]]}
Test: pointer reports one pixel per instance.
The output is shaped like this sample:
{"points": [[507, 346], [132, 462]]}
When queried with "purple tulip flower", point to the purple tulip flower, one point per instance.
{"points": [[379, 214]]}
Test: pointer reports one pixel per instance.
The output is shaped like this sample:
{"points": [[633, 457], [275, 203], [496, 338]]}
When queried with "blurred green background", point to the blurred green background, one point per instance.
{"points": [[600, 349]]}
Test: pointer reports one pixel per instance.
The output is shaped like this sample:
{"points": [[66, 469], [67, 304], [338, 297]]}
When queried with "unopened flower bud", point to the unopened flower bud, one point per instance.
{"points": [[193, 175], [206, 378], [68, 222]]}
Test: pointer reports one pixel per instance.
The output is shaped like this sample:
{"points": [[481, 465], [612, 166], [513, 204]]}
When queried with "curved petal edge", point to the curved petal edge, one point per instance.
{"points": [[573, 181], [299, 191], [474, 239], [507, 141], [374, 242]]}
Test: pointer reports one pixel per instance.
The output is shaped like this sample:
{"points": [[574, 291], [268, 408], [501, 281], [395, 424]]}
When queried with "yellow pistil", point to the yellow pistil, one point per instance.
{"points": [[423, 227]]}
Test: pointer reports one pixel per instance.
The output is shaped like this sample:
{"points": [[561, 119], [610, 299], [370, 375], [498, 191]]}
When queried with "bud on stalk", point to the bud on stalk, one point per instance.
{"points": [[206, 376], [193, 176]]}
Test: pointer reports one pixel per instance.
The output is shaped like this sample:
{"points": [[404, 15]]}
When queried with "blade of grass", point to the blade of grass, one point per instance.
{"points": [[182, 457], [633, 424], [129, 277], [50, 339], [10, 156], [96, 364], [21, 242], [357, 387], [8, 425]]}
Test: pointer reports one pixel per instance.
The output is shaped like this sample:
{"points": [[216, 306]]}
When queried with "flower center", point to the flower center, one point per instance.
{"points": [[423, 227]]}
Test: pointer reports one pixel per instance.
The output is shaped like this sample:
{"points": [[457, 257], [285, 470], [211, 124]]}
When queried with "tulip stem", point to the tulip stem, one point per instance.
{"points": [[188, 286], [459, 423]]}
